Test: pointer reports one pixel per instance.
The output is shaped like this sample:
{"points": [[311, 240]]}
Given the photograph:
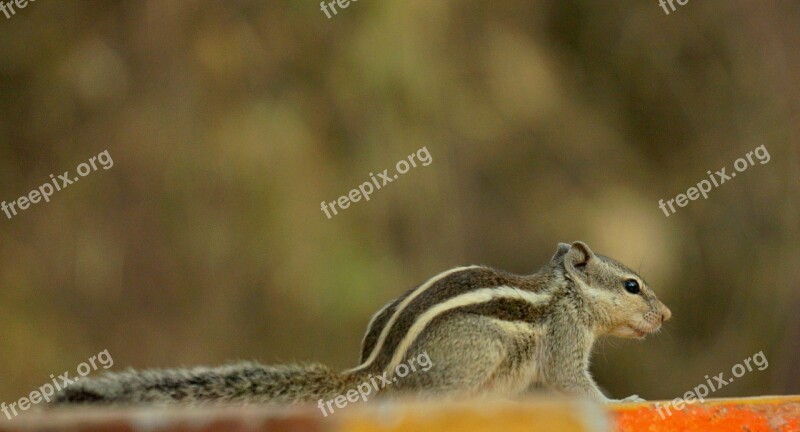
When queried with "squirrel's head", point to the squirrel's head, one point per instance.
{"points": [[622, 302]]}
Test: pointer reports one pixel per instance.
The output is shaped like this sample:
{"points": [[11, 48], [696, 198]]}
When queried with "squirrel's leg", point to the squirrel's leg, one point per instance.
{"points": [[566, 367], [580, 383]]}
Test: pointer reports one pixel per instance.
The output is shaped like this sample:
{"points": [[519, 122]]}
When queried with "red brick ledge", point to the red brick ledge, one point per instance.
{"points": [[774, 413]]}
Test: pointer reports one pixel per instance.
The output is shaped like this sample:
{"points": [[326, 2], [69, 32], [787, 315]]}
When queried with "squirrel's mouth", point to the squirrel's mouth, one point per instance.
{"points": [[635, 330], [639, 332]]}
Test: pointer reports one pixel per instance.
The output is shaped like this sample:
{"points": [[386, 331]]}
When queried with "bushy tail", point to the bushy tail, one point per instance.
{"points": [[243, 383]]}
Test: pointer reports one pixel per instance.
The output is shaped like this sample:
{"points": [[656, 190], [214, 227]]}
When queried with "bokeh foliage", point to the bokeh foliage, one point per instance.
{"points": [[548, 121]]}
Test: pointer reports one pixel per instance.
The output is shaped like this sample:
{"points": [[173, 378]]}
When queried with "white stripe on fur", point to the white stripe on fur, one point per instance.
{"points": [[401, 307], [482, 295]]}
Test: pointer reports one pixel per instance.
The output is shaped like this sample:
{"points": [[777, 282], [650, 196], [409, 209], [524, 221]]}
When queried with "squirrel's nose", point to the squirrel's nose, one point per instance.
{"points": [[665, 314]]}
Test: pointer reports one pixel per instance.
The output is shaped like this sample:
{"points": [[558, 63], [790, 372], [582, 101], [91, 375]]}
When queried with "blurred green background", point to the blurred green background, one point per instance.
{"points": [[547, 121]]}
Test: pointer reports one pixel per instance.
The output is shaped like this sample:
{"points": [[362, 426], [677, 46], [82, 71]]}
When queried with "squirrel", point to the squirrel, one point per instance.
{"points": [[486, 332]]}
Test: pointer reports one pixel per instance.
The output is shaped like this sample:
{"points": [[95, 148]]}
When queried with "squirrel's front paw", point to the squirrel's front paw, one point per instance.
{"points": [[631, 398]]}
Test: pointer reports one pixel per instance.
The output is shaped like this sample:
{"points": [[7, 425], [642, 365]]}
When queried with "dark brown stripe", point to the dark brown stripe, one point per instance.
{"points": [[451, 286], [374, 332], [508, 309]]}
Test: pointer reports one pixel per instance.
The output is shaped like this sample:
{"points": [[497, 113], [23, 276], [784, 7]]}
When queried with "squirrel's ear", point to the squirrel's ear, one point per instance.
{"points": [[577, 257], [563, 248]]}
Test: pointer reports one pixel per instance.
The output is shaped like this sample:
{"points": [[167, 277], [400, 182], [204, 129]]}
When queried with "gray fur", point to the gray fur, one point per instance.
{"points": [[241, 384]]}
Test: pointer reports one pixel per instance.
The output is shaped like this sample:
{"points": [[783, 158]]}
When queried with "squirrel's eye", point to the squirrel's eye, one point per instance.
{"points": [[631, 286]]}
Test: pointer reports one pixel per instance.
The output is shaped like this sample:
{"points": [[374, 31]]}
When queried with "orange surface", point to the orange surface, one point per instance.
{"points": [[541, 416], [722, 415]]}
